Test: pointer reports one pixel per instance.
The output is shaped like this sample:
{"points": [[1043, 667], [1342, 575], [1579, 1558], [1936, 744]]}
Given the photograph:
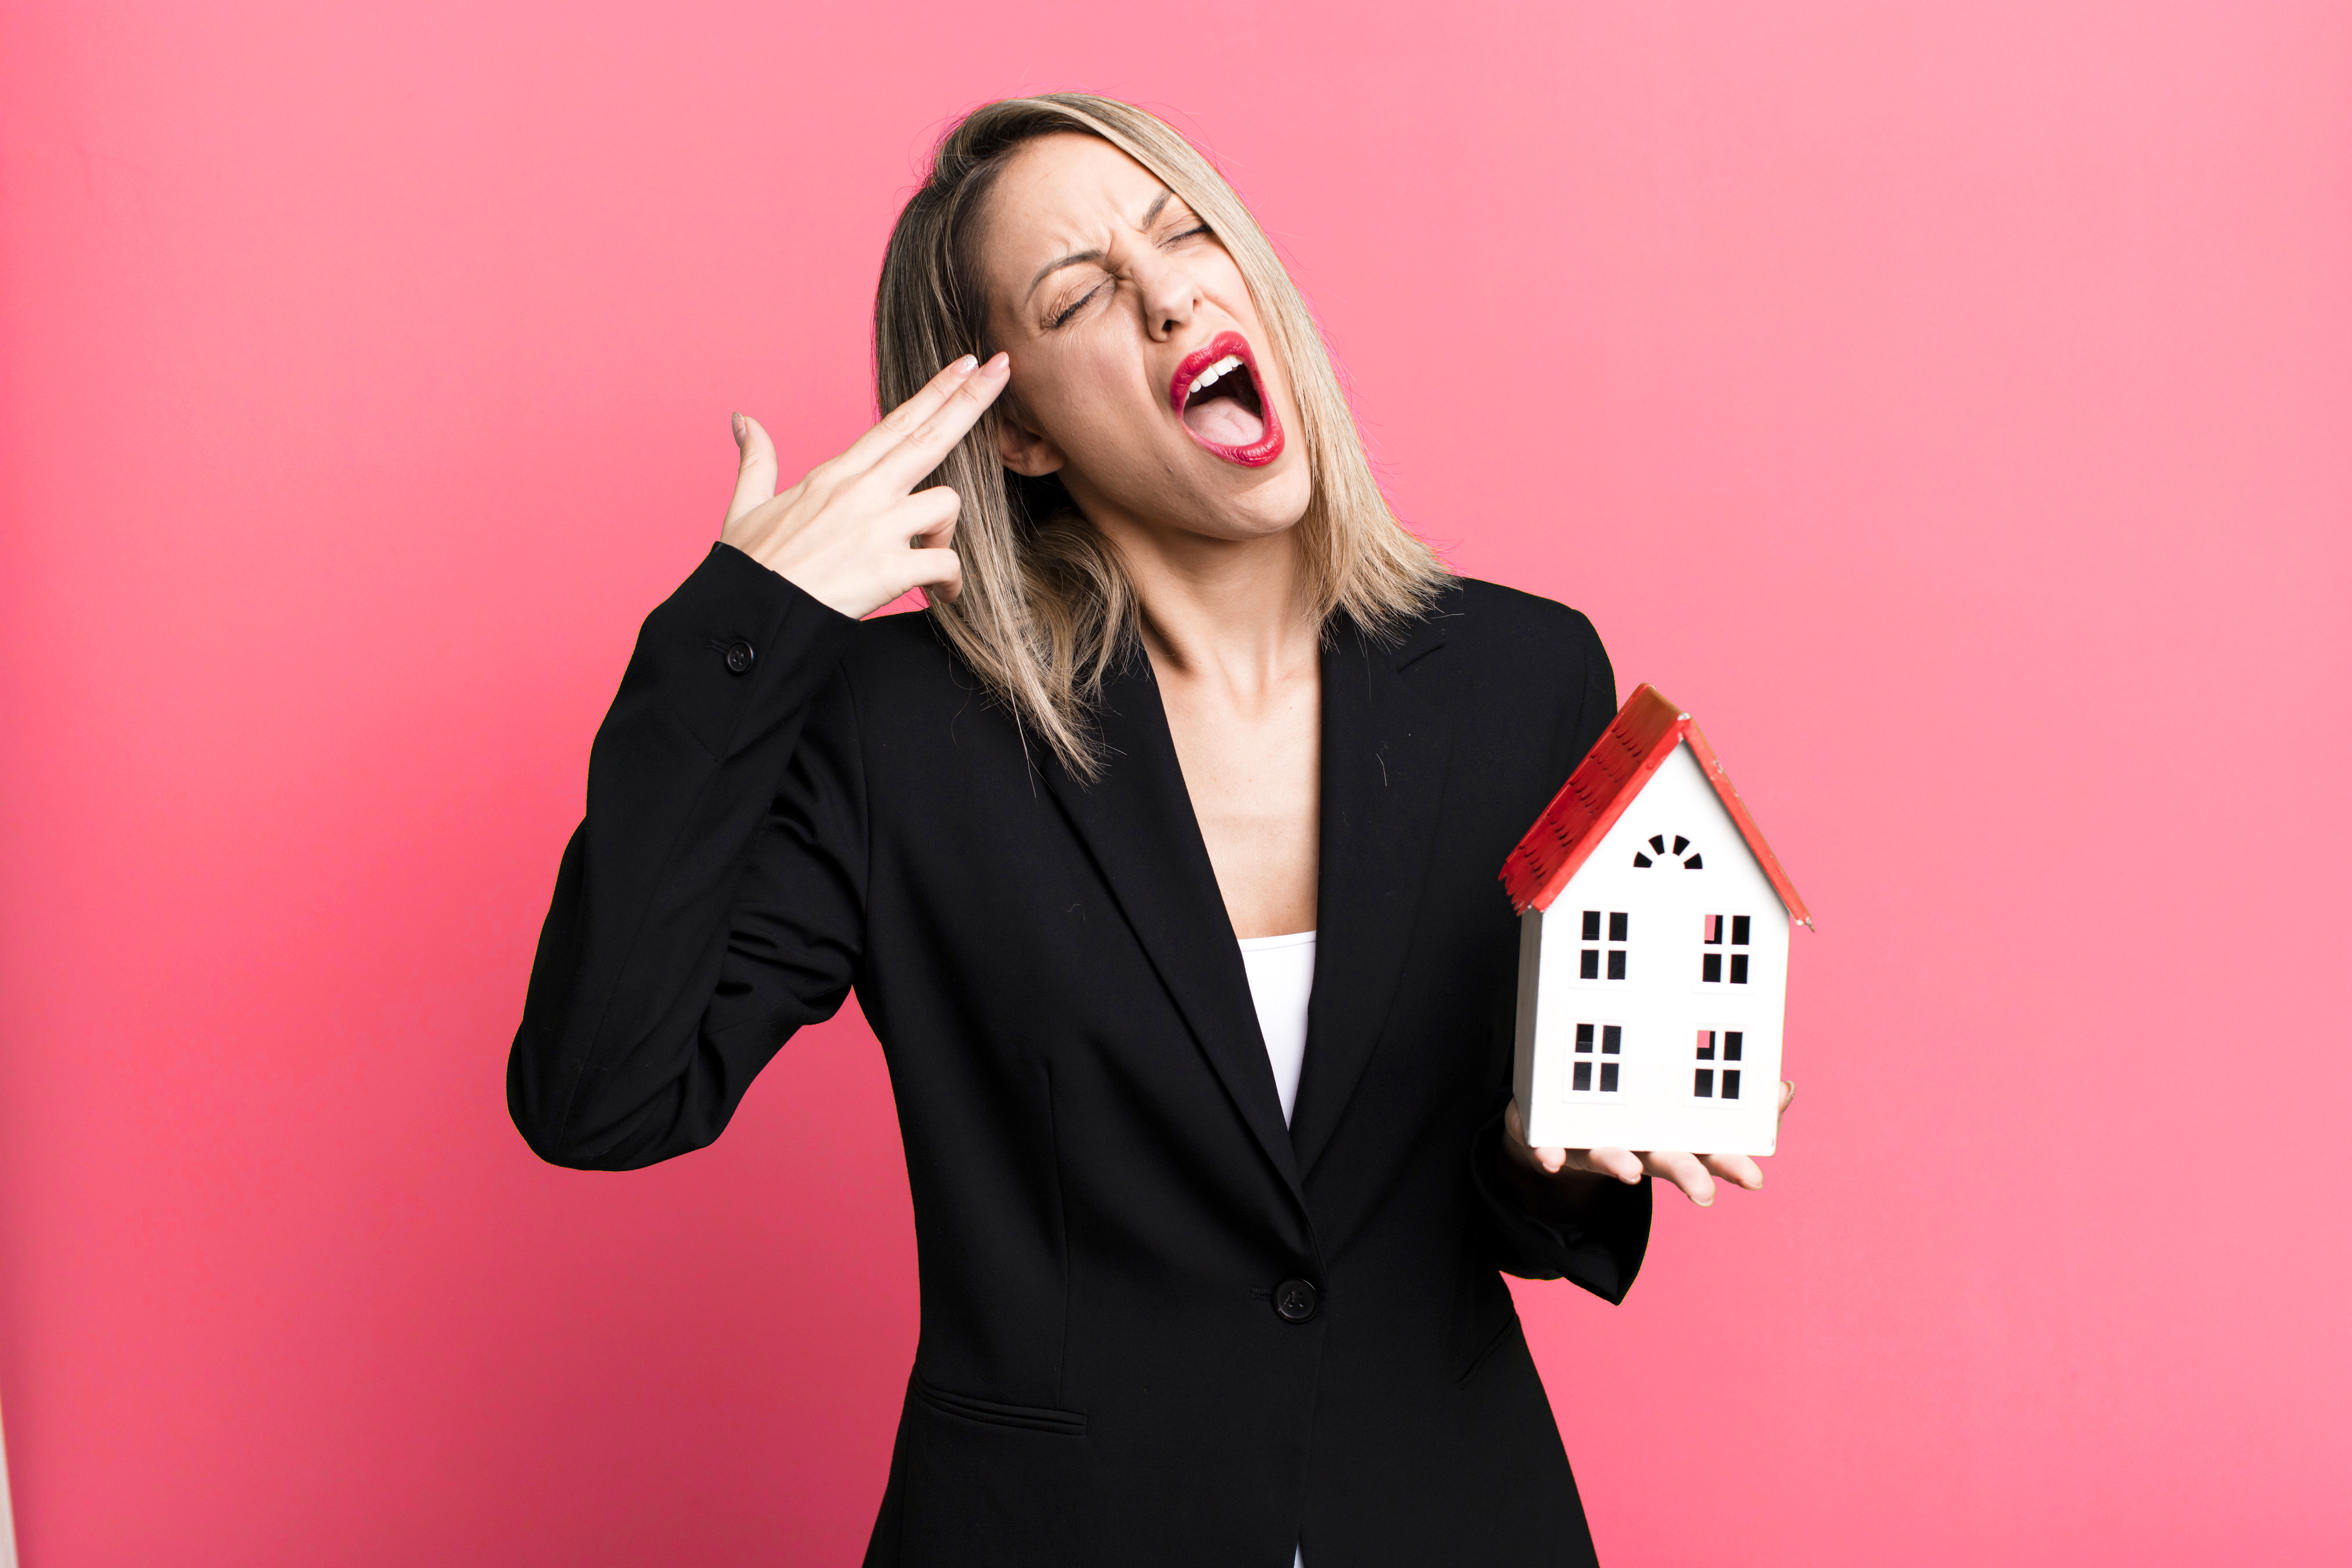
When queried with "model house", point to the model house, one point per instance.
{"points": [[1654, 950]]}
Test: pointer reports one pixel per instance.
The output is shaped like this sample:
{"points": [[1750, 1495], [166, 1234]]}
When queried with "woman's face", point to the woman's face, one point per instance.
{"points": [[1140, 371]]}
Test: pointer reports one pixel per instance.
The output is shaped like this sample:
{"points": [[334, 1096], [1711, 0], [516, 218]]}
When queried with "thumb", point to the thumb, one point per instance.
{"points": [[755, 475]]}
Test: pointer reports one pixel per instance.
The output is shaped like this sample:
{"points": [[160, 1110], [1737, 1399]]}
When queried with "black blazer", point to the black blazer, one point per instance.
{"points": [[1157, 1326]]}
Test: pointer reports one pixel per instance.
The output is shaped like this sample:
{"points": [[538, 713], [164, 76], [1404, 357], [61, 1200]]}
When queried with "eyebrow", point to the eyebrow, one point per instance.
{"points": [[1057, 264], [1076, 256]]}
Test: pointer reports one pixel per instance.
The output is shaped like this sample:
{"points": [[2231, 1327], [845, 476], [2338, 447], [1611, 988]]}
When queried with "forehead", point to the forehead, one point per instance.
{"points": [[1064, 192]]}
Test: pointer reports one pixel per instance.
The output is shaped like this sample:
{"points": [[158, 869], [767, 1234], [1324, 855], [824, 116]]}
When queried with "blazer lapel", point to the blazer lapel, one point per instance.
{"points": [[1384, 754], [1137, 822]]}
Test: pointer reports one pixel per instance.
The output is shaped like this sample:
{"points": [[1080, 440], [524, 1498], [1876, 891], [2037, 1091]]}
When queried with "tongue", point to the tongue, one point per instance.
{"points": [[1225, 422]]}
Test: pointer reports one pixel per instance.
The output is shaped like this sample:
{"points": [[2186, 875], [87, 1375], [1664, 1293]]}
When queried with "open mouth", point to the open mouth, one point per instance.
{"points": [[1217, 392]]}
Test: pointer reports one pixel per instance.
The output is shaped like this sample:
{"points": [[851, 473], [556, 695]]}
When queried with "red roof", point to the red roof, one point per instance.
{"points": [[1634, 746]]}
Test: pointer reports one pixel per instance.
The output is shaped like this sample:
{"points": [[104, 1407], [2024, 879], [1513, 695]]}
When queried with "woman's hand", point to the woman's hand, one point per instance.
{"points": [[1568, 1168], [849, 534]]}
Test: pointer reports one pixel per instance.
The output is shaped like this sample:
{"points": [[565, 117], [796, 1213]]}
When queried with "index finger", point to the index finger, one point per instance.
{"points": [[902, 421], [905, 464]]}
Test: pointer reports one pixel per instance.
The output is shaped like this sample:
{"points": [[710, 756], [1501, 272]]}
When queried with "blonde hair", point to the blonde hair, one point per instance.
{"points": [[1047, 609]]}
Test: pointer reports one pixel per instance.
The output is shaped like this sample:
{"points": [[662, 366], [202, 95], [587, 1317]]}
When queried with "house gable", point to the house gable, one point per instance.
{"points": [[1621, 765]]}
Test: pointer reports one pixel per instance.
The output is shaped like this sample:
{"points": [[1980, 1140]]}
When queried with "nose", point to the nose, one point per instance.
{"points": [[1168, 295]]}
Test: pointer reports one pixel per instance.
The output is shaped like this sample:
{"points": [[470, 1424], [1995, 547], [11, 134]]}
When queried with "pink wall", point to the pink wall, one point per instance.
{"points": [[1948, 402]]}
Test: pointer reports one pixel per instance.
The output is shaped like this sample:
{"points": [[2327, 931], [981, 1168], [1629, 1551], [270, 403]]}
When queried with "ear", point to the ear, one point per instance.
{"points": [[1024, 451]]}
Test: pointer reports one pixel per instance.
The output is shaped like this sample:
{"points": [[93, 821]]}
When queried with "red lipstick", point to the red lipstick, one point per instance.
{"points": [[1221, 399]]}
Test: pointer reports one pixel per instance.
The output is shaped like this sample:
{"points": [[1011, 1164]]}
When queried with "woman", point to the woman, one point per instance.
{"points": [[1162, 856]]}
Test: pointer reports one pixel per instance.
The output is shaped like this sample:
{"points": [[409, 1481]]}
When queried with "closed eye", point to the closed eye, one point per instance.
{"points": [[1074, 307], [1062, 318]]}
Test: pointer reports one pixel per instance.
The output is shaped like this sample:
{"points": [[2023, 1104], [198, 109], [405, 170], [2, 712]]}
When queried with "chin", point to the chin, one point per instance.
{"points": [[1278, 505], [1272, 501]]}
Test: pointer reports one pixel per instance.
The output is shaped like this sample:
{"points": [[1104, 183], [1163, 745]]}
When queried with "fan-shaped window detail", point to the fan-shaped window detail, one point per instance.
{"points": [[1678, 853]]}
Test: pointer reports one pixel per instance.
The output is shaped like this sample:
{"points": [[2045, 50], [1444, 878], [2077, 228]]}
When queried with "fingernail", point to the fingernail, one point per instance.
{"points": [[965, 366], [1001, 357], [736, 420]]}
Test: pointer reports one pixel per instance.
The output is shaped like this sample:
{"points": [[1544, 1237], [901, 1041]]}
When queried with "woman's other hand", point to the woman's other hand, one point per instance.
{"points": [[1693, 1173], [850, 534]]}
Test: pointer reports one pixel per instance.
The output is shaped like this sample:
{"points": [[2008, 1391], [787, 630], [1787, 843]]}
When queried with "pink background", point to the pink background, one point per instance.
{"points": [[1949, 403]]}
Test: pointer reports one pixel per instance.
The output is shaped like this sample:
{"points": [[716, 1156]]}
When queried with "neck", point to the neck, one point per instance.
{"points": [[1232, 611]]}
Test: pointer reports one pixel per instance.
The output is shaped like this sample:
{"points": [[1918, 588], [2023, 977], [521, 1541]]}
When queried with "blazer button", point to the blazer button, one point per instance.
{"points": [[738, 656], [1295, 1300]]}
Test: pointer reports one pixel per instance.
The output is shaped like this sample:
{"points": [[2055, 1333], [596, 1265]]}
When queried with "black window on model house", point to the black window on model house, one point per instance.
{"points": [[1681, 854], [1722, 938], [1610, 1037], [1589, 961], [1730, 1042]]}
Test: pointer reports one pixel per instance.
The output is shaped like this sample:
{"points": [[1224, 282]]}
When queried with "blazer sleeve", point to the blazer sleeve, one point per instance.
{"points": [[1598, 1240], [712, 901]]}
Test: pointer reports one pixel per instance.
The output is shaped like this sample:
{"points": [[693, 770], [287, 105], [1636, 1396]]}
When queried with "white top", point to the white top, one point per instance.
{"points": [[1281, 979]]}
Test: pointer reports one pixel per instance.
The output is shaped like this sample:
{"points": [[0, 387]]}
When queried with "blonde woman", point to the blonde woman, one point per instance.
{"points": [[1162, 854]]}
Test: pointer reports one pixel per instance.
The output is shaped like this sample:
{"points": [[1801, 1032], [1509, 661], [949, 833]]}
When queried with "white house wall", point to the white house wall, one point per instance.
{"points": [[1662, 1002]]}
